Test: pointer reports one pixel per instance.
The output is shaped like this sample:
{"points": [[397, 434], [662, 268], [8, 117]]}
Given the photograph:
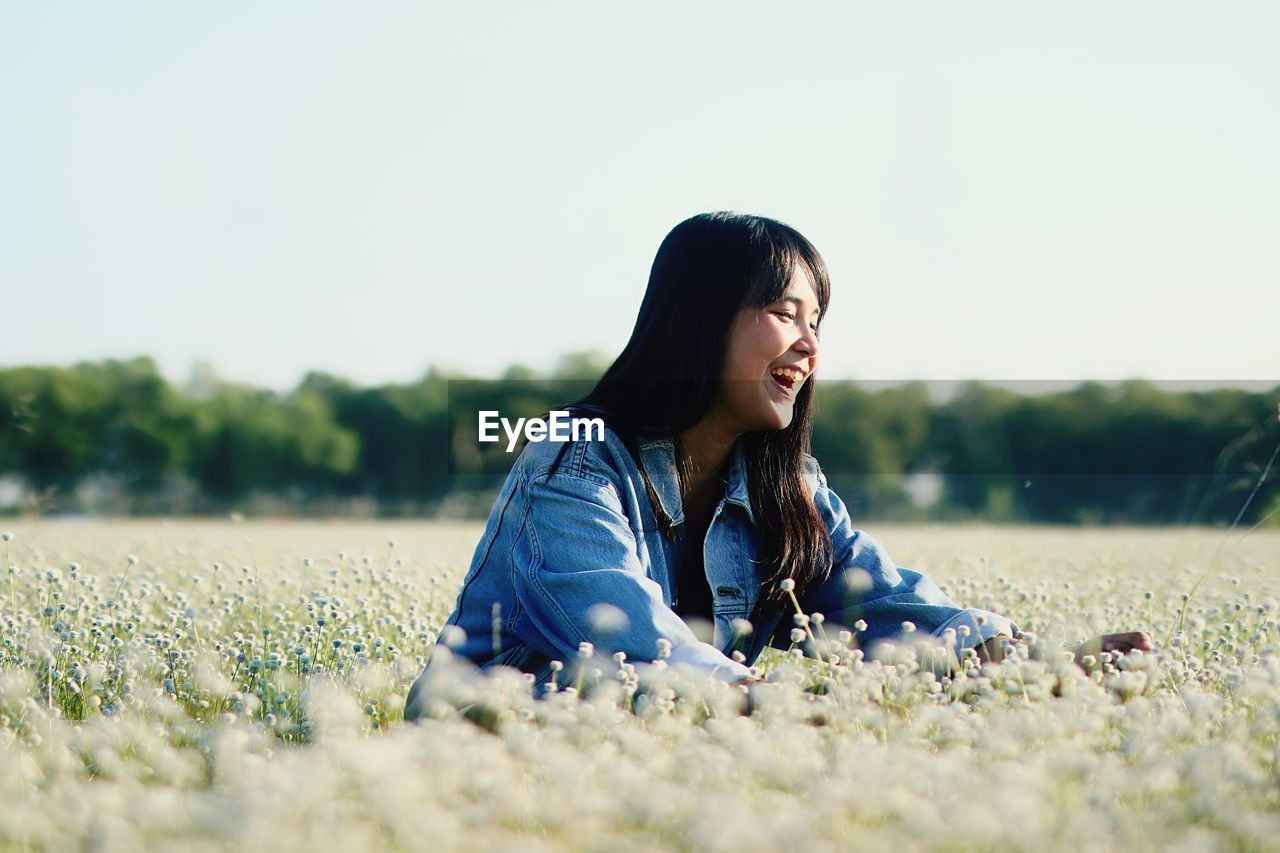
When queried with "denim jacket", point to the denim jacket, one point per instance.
{"points": [[576, 555]]}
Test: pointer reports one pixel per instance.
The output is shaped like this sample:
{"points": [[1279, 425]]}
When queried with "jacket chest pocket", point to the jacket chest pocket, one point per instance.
{"points": [[737, 577]]}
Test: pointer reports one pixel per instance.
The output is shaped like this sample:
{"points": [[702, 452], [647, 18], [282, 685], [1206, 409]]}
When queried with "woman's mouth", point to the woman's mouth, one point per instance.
{"points": [[786, 379]]}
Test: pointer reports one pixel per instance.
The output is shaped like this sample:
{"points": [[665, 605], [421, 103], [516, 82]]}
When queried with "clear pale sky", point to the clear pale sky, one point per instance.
{"points": [[1000, 190]]}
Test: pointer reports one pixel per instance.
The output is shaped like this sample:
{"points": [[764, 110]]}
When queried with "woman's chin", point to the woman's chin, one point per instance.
{"points": [[773, 411], [779, 416]]}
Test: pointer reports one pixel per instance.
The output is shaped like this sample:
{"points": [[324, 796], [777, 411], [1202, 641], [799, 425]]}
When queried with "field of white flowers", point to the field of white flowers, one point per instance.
{"points": [[210, 686]]}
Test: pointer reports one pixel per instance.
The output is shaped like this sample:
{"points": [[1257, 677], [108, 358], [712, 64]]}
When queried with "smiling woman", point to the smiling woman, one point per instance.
{"points": [[701, 520]]}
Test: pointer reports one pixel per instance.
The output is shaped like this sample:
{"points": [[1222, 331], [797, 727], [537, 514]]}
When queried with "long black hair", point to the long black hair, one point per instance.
{"points": [[708, 268]]}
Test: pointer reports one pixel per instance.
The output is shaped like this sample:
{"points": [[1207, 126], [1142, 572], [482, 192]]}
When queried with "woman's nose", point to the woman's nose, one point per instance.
{"points": [[808, 343]]}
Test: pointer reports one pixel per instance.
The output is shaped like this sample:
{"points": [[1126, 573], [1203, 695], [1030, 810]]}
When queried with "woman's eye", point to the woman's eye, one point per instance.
{"points": [[786, 314]]}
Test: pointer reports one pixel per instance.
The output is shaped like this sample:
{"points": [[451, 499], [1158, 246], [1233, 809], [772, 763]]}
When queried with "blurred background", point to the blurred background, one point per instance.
{"points": [[267, 261]]}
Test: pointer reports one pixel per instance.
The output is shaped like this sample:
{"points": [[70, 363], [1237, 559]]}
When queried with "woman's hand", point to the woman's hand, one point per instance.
{"points": [[1123, 643], [1128, 641], [993, 650]]}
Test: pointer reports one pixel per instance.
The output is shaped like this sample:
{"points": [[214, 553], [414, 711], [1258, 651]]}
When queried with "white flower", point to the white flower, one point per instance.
{"points": [[858, 580], [453, 636], [787, 585], [607, 618]]}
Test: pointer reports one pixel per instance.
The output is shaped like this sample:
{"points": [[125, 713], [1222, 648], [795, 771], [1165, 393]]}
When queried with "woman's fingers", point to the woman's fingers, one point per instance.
{"points": [[1127, 642], [1124, 642]]}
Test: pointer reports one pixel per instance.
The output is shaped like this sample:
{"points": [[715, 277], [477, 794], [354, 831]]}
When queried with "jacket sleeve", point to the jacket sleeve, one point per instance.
{"points": [[578, 578], [865, 584]]}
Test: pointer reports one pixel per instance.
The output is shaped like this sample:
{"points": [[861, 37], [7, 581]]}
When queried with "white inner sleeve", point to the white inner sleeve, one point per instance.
{"points": [[708, 658]]}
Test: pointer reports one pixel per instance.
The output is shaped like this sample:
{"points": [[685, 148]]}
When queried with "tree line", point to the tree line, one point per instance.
{"points": [[116, 437]]}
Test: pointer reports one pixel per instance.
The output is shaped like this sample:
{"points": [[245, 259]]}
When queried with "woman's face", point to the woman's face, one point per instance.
{"points": [[772, 352]]}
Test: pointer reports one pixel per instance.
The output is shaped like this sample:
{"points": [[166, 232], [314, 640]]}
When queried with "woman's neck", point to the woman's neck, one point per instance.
{"points": [[705, 447]]}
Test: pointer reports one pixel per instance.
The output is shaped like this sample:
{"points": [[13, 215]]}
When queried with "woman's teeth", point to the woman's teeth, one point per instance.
{"points": [[787, 377]]}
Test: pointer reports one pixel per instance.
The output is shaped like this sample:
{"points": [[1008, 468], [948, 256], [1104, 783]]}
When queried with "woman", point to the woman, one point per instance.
{"points": [[701, 508]]}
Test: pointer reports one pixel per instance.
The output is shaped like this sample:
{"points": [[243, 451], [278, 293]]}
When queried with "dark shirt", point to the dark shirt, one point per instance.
{"points": [[693, 592]]}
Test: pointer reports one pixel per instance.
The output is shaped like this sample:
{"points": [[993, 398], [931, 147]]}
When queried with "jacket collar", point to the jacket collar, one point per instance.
{"points": [[659, 459]]}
